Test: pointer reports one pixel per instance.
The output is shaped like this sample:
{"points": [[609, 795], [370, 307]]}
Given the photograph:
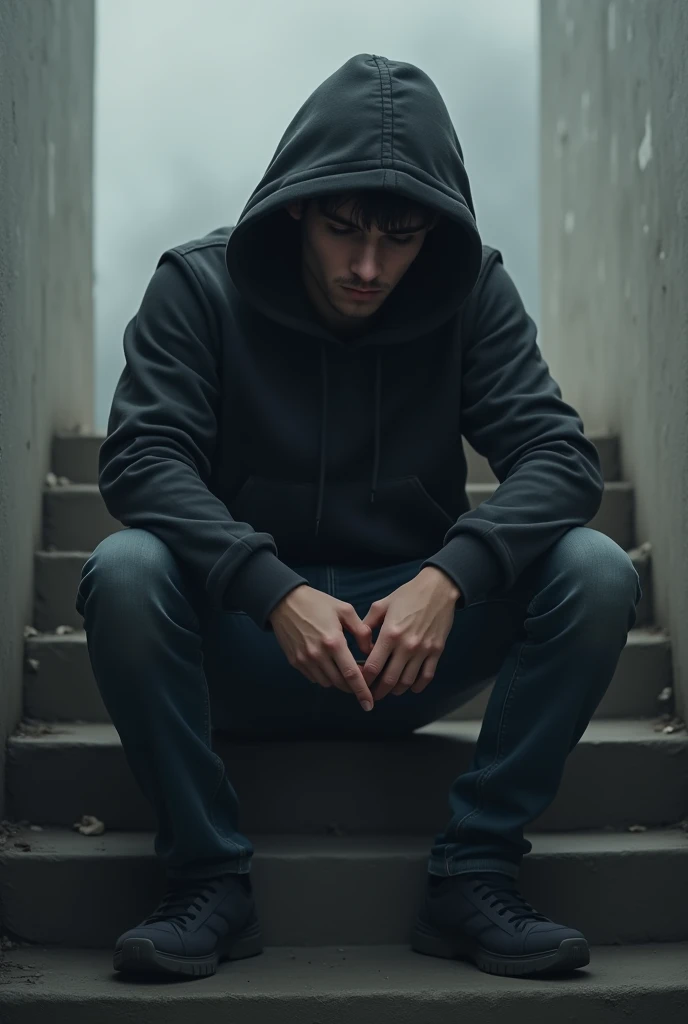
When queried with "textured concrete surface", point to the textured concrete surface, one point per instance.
{"points": [[621, 773], [46, 366], [614, 255], [341, 984], [617, 887]]}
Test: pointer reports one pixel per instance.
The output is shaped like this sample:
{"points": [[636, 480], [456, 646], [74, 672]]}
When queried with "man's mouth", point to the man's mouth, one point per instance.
{"points": [[360, 292]]}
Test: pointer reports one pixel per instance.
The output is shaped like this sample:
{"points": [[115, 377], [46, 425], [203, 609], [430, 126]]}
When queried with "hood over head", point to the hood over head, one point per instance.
{"points": [[373, 124]]}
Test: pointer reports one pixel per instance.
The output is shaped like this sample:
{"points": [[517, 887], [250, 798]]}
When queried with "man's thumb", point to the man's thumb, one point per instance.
{"points": [[361, 631], [376, 614]]}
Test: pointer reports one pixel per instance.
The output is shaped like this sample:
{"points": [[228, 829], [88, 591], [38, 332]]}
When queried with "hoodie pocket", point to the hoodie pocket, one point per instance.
{"points": [[283, 508], [403, 522], [430, 503]]}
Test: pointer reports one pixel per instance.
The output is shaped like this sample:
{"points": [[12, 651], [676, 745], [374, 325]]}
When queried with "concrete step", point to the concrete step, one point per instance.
{"points": [[75, 517], [340, 984], [59, 684], [58, 573], [75, 455], [331, 890], [620, 774]]}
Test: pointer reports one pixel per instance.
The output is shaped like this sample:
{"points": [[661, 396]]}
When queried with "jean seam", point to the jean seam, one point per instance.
{"points": [[489, 770], [221, 767]]}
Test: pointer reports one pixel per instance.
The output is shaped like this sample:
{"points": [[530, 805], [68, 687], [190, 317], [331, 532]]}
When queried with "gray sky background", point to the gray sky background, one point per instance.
{"points": [[192, 97]]}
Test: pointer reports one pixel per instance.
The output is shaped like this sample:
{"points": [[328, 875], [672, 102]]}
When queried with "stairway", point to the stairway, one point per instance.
{"points": [[610, 858]]}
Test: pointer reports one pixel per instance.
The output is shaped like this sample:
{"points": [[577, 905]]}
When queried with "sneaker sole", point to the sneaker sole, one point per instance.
{"points": [[140, 956], [570, 955]]}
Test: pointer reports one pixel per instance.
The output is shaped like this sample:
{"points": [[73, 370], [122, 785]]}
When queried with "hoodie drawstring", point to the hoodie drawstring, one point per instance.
{"points": [[323, 432]]}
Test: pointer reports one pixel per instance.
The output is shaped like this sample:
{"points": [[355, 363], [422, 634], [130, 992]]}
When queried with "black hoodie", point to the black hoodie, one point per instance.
{"points": [[251, 439]]}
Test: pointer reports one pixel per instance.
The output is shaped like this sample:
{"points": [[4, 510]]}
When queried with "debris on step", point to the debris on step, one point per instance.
{"points": [[89, 825], [665, 704], [665, 699], [10, 971], [11, 828], [34, 727], [668, 724], [56, 481], [31, 631], [637, 828], [63, 630], [8, 829], [32, 665], [8, 967]]}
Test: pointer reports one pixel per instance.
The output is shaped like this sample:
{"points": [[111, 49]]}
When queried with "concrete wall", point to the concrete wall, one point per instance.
{"points": [[614, 252], [46, 319]]}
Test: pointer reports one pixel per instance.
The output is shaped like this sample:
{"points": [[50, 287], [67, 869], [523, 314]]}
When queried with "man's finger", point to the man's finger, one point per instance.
{"points": [[429, 668], [352, 674], [391, 674], [375, 661], [409, 677]]}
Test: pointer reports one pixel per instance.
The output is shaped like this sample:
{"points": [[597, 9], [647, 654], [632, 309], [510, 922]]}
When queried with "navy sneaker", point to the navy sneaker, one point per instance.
{"points": [[485, 919], [198, 923]]}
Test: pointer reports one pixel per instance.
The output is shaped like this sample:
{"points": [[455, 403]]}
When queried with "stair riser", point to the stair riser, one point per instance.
{"points": [[64, 689], [340, 900], [604, 784]]}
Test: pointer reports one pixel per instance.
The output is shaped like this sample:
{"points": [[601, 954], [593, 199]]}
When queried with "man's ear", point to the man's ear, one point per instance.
{"points": [[295, 208]]}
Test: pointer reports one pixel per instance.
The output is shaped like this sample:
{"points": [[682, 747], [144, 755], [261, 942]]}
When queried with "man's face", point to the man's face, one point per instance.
{"points": [[338, 257]]}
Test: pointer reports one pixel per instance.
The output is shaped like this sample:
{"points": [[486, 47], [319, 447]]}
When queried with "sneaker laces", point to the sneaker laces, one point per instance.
{"points": [[510, 901], [183, 896]]}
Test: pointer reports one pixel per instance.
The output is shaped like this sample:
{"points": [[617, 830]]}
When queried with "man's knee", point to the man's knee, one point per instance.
{"points": [[123, 562], [599, 570]]}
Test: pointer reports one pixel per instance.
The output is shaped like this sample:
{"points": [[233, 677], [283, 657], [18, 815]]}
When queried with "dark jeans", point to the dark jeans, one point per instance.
{"points": [[160, 657]]}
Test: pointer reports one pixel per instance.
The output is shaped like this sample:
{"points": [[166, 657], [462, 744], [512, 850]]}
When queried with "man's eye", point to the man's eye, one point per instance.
{"points": [[347, 231]]}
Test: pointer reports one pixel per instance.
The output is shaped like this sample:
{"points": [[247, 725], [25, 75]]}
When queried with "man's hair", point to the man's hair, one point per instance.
{"points": [[390, 210]]}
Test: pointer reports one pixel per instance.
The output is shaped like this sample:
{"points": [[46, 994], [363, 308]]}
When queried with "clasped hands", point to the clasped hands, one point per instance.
{"points": [[415, 621]]}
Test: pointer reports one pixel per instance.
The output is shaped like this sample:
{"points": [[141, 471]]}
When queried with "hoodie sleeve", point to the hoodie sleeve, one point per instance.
{"points": [[156, 461], [512, 412]]}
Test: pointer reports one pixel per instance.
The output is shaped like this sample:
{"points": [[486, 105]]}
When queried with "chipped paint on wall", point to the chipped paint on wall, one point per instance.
{"points": [[645, 148]]}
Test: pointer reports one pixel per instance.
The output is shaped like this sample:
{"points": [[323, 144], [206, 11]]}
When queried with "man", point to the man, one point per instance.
{"points": [[285, 447]]}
